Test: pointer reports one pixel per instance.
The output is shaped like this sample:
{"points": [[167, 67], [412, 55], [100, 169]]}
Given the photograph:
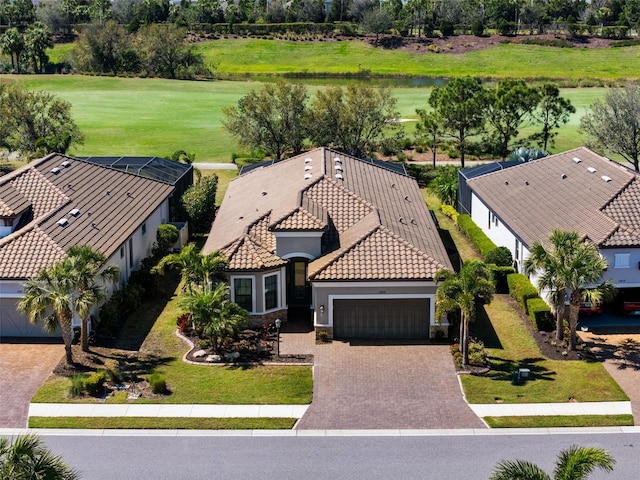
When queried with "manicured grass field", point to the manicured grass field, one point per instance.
{"points": [[255, 56], [179, 423], [561, 421], [131, 116]]}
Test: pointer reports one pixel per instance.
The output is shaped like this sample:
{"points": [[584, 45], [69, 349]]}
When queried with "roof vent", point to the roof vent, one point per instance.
{"points": [[406, 198], [94, 224], [393, 185], [338, 167], [65, 164], [591, 170], [606, 178], [55, 170], [63, 222], [108, 192], [339, 176], [413, 220], [526, 182], [129, 195], [75, 212], [506, 183], [307, 168], [307, 176], [563, 176], [264, 193], [308, 160], [337, 160], [576, 160], [401, 220]]}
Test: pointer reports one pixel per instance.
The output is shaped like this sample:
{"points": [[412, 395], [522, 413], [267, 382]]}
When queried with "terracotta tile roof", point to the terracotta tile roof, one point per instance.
{"points": [[349, 198], [244, 254], [28, 253], [12, 202], [299, 219], [111, 206], [575, 190]]}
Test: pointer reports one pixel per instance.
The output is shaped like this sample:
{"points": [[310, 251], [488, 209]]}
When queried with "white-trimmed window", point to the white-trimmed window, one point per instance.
{"points": [[621, 260], [271, 291], [243, 292]]}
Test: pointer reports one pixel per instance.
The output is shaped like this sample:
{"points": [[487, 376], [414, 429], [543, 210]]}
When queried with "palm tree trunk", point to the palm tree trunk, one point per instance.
{"points": [[574, 309], [65, 326], [84, 335], [464, 339]]}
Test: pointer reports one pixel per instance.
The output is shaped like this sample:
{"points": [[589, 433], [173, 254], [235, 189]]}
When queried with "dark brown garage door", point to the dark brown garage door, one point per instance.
{"points": [[377, 318]]}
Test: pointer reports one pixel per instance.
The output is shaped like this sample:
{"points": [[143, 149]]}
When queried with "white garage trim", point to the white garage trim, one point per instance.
{"points": [[390, 296]]}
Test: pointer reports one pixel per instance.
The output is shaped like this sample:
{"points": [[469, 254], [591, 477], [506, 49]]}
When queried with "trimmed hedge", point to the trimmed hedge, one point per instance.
{"points": [[450, 212], [540, 314], [158, 383], [95, 382], [475, 234], [500, 274], [521, 289]]}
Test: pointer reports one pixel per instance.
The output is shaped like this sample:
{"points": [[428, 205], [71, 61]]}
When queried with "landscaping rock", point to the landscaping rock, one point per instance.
{"points": [[213, 359], [199, 353]]}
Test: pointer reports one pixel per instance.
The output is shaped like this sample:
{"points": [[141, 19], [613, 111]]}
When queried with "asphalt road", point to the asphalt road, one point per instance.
{"points": [[125, 455]]}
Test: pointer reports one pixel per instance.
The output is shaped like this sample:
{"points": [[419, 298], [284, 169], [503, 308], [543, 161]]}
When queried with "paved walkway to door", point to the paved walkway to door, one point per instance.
{"points": [[23, 369], [372, 385]]}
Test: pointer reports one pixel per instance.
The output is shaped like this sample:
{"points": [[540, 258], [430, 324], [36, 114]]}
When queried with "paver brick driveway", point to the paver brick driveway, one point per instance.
{"points": [[376, 386], [23, 368]]}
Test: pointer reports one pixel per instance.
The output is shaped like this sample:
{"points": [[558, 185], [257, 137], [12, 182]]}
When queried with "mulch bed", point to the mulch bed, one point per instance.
{"points": [[254, 346]]}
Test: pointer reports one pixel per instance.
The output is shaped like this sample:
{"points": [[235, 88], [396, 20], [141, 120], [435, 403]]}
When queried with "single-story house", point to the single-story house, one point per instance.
{"points": [[347, 242], [577, 190], [58, 201]]}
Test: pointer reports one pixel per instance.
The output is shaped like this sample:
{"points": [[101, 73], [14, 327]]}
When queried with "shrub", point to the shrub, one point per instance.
{"points": [[423, 174], [94, 384], [506, 28], [477, 28], [540, 314], [158, 383], [475, 234], [450, 212], [521, 289], [447, 28], [77, 385], [477, 353], [545, 42], [500, 256], [184, 325], [433, 48], [500, 277]]}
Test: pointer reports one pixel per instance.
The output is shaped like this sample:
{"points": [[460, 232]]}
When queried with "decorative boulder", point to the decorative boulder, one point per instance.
{"points": [[199, 353]]}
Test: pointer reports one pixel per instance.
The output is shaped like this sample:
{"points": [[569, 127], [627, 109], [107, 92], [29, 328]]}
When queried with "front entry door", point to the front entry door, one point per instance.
{"points": [[298, 294]]}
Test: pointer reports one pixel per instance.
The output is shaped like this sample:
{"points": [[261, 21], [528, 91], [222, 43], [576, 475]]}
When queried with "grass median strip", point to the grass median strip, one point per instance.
{"points": [[167, 423], [560, 421]]}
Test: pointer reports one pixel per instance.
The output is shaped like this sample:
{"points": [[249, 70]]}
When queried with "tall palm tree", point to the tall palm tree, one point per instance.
{"points": [[568, 265], [213, 311], [91, 277], [28, 459], [459, 291], [574, 463], [195, 268], [50, 296]]}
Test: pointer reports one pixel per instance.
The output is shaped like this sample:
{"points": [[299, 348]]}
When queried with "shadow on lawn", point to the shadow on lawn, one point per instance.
{"points": [[502, 369], [483, 329]]}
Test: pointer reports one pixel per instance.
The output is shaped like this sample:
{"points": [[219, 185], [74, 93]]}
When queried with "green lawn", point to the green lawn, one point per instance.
{"points": [[132, 116], [510, 346], [179, 423], [560, 421], [162, 352], [255, 56]]}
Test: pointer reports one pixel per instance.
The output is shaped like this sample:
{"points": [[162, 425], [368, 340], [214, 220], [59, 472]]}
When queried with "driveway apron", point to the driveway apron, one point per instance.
{"points": [[23, 369], [369, 385]]}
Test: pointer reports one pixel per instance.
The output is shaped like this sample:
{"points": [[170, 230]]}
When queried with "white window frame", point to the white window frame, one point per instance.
{"points": [[232, 280], [621, 260], [264, 291]]}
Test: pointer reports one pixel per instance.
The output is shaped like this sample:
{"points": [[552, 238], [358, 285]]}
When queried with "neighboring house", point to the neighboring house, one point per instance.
{"points": [[56, 202], [577, 190], [329, 236]]}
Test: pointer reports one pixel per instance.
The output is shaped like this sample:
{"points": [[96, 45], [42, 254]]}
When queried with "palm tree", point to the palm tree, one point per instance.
{"points": [[50, 296], [91, 275], [568, 265], [574, 463], [28, 459], [195, 268], [459, 291], [214, 312]]}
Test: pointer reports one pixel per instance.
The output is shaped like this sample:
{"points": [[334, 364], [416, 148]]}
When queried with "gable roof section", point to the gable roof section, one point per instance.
{"points": [[575, 190], [12, 202], [110, 206], [350, 199]]}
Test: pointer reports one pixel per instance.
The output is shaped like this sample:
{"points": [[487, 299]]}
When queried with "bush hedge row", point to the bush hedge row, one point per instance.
{"points": [[475, 234], [521, 289], [540, 314]]}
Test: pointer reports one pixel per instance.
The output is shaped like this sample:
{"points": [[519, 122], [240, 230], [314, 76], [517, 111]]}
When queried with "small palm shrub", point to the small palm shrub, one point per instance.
{"points": [[77, 385], [158, 383]]}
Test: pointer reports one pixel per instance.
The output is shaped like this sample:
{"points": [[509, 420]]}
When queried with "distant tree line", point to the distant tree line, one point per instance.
{"points": [[412, 17], [464, 115]]}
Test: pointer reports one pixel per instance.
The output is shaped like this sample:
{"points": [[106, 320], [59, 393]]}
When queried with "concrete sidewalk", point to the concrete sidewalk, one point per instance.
{"points": [[165, 410], [297, 411], [551, 409]]}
